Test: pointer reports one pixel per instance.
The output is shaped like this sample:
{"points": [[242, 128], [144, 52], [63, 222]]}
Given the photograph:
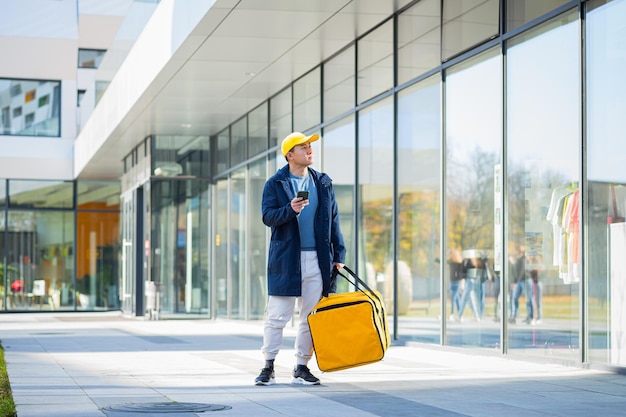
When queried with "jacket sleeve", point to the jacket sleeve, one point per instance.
{"points": [[336, 237], [275, 213]]}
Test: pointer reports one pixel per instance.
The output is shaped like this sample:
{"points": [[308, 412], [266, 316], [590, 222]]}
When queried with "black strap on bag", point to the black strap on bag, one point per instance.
{"points": [[356, 281]]}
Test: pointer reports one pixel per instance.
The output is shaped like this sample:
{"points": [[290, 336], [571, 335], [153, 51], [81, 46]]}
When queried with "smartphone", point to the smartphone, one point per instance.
{"points": [[303, 194]]}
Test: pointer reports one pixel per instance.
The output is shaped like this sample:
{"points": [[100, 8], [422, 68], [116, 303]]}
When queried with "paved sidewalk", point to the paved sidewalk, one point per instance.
{"points": [[102, 364]]}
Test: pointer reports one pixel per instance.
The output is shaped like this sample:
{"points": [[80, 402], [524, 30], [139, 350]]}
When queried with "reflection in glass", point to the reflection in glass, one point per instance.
{"points": [[376, 205], [223, 151], [306, 101], [90, 58], [468, 23], [180, 246], [172, 156], [222, 253], [98, 195], [543, 148], [41, 194], [237, 241], [606, 186], [419, 39], [473, 156], [238, 141], [339, 95], [280, 117], [339, 162], [165, 242], [519, 12], [30, 108], [419, 192], [257, 130], [375, 62], [38, 270], [257, 241]]}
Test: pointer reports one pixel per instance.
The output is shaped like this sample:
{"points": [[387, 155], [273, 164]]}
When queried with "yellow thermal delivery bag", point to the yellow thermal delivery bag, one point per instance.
{"points": [[349, 329]]}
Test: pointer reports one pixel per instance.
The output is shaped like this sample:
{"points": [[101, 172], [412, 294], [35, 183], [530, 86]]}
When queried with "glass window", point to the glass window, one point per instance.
{"points": [[30, 107], [3, 192], [178, 155], [606, 181], [79, 96], [256, 253], [222, 251], [98, 195], [519, 12], [237, 284], [339, 162], [376, 204], [419, 39], [97, 260], [280, 117], [468, 23], [257, 130], [375, 62], [306, 102], [238, 141], [222, 157], [194, 156], [339, 85], [473, 126], [419, 193], [39, 250], [166, 242], [41, 194], [90, 58], [101, 87], [178, 236], [543, 165]]}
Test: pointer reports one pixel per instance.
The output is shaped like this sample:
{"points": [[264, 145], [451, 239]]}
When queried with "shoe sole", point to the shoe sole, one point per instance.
{"points": [[300, 381], [270, 382]]}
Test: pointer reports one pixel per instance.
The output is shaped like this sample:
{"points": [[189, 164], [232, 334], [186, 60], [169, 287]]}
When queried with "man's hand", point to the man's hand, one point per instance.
{"points": [[297, 204]]}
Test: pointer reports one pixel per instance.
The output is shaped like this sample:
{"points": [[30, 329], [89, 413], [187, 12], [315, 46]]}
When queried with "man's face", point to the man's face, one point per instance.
{"points": [[302, 154]]}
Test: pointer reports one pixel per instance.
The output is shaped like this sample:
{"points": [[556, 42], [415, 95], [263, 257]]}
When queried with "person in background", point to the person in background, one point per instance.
{"points": [[472, 290], [306, 244], [455, 263], [517, 263], [536, 291]]}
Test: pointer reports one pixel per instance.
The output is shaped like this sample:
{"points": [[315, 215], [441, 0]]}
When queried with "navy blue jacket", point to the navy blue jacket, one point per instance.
{"points": [[283, 267]]}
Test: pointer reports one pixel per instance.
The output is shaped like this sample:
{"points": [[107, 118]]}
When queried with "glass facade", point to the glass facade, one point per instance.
{"points": [[419, 205], [604, 229], [477, 168], [59, 245], [542, 185], [376, 205], [473, 142]]}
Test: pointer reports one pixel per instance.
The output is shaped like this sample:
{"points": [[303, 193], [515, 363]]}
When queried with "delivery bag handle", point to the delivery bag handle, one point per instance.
{"points": [[358, 280]]}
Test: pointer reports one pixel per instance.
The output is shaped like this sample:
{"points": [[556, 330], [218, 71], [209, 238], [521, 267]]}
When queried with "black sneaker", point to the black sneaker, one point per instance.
{"points": [[302, 375], [266, 377]]}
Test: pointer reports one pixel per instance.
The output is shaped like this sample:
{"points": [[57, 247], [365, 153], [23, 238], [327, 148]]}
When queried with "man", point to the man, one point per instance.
{"points": [[306, 244]]}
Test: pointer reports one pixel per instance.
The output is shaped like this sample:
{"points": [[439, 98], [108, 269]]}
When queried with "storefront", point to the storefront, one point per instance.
{"points": [[496, 141]]}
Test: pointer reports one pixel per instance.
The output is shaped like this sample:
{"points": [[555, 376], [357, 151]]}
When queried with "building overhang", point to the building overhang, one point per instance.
{"points": [[199, 66]]}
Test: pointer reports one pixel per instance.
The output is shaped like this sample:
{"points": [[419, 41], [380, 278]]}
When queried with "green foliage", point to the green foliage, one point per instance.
{"points": [[7, 406]]}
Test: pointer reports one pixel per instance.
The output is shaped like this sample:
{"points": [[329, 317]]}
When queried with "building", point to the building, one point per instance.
{"points": [[483, 133]]}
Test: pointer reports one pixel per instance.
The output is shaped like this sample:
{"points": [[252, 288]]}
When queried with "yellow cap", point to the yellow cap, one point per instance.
{"points": [[296, 138]]}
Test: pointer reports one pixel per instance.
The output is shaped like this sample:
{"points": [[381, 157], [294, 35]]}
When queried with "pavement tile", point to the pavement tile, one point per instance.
{"points": [[87, 364]]}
